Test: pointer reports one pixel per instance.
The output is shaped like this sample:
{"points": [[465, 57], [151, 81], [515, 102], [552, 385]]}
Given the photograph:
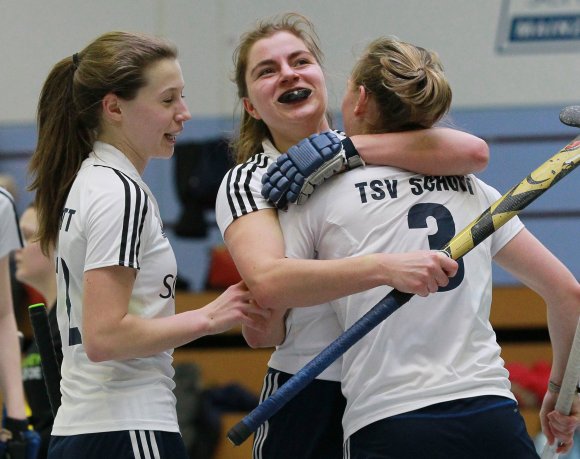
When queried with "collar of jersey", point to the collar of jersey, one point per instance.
{"points": [[269, 149], [106, 154]]}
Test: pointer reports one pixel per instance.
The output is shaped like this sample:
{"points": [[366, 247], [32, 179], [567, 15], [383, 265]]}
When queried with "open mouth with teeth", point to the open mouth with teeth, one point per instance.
{"points": [[296, 95]]}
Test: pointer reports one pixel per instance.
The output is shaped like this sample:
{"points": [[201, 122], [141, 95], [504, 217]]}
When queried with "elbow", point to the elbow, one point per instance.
{"points": [[256, 340], [265, 294], [267, 298], [97, 349], [479, 153]]}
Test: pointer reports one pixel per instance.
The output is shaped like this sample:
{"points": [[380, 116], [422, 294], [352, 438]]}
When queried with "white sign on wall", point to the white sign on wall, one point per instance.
{"points": [[535, 26]]}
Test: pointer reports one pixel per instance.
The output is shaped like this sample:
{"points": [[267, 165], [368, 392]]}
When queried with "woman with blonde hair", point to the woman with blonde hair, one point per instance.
{"points": [[429, 381]]}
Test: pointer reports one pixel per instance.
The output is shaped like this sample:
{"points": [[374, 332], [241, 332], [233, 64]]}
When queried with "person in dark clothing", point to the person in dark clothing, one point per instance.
{"points": [[37, 271]]}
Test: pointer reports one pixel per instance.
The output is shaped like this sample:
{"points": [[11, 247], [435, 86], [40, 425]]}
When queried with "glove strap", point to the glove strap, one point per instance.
{"points": [[353, 159]]}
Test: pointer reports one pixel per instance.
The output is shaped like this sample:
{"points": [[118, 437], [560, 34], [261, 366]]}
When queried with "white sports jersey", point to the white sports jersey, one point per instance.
{"points": [[432, 349], [10, 237], [111, 219], [308, 330]]}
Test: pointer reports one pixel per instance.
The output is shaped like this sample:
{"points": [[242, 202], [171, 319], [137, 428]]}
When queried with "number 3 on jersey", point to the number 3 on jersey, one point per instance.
{"points": [[417, 218], [74, 335]]}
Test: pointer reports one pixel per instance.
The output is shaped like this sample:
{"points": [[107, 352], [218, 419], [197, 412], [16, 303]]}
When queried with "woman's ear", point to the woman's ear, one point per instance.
{"points": [[362, 101], [111, 107], [249, 107]]}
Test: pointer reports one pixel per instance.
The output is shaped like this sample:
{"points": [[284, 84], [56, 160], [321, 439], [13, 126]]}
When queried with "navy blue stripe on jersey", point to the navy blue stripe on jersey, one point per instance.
{"points": [[9, 198], [136, 207], [74, 334], [240, 198]]}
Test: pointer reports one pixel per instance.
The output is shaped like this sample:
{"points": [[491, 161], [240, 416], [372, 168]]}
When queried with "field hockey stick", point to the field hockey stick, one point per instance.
{"points": [[505, 208], [48, 360], [568, 391]]}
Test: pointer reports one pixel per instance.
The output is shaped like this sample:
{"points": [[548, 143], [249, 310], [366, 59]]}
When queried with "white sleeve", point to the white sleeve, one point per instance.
{"points": [[115, 215], [240, 192]]}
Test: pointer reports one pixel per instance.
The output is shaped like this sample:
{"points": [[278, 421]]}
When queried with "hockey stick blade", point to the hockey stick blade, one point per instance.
{"points": [[505, 208], [571, 115]]}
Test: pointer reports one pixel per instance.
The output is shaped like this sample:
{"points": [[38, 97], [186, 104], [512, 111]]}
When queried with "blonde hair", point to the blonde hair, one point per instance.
{"points": [[252, 131], [69, 114], [407, 83]]}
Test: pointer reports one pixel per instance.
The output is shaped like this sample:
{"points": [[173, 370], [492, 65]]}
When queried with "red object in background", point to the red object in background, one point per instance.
{"points": [[529, 384], [222, 269]]}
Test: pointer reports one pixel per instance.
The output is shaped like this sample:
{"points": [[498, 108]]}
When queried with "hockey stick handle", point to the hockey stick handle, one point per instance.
{"points": [[48, 359], [505, 208], [568, 391]]}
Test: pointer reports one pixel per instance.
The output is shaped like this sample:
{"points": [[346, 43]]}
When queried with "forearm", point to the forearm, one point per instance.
{"points": [[135, 337], [435, 151], [562, 321], [10, 368], [256, 245], [285, 282]]}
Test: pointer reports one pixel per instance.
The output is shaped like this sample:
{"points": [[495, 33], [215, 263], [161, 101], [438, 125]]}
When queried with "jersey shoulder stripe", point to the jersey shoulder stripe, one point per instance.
{"points": [[136, 207], [238, 190], [5, 195]]}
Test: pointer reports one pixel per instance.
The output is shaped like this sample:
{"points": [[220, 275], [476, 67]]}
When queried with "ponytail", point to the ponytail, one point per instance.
{"points": [[61, 148]]}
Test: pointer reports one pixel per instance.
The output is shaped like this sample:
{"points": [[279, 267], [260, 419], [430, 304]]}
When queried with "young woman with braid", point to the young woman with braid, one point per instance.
{"points": [[282, 90], [428, 382], [102, 115]]}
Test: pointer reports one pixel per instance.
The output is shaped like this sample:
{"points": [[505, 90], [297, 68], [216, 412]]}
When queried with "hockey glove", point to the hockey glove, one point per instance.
{"points": [[295, 174]]}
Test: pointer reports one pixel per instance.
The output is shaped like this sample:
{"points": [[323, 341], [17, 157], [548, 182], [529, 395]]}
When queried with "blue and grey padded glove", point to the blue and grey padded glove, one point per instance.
{"points": [[295, 174]]}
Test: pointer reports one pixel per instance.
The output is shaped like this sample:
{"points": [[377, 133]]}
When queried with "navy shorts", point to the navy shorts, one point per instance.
{"points": [[309, 426], [475, 428], [124, 444]]}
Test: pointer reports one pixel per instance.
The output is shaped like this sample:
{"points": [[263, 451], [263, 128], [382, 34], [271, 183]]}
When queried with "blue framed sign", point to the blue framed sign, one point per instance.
{"points": [[537, 26]]}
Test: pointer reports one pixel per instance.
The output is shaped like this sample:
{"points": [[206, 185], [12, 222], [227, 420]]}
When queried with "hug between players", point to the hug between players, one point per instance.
{"points": [[320, 230]]}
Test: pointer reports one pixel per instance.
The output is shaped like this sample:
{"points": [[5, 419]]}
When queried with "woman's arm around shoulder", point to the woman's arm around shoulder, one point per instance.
{"points": [[434, 151]]}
